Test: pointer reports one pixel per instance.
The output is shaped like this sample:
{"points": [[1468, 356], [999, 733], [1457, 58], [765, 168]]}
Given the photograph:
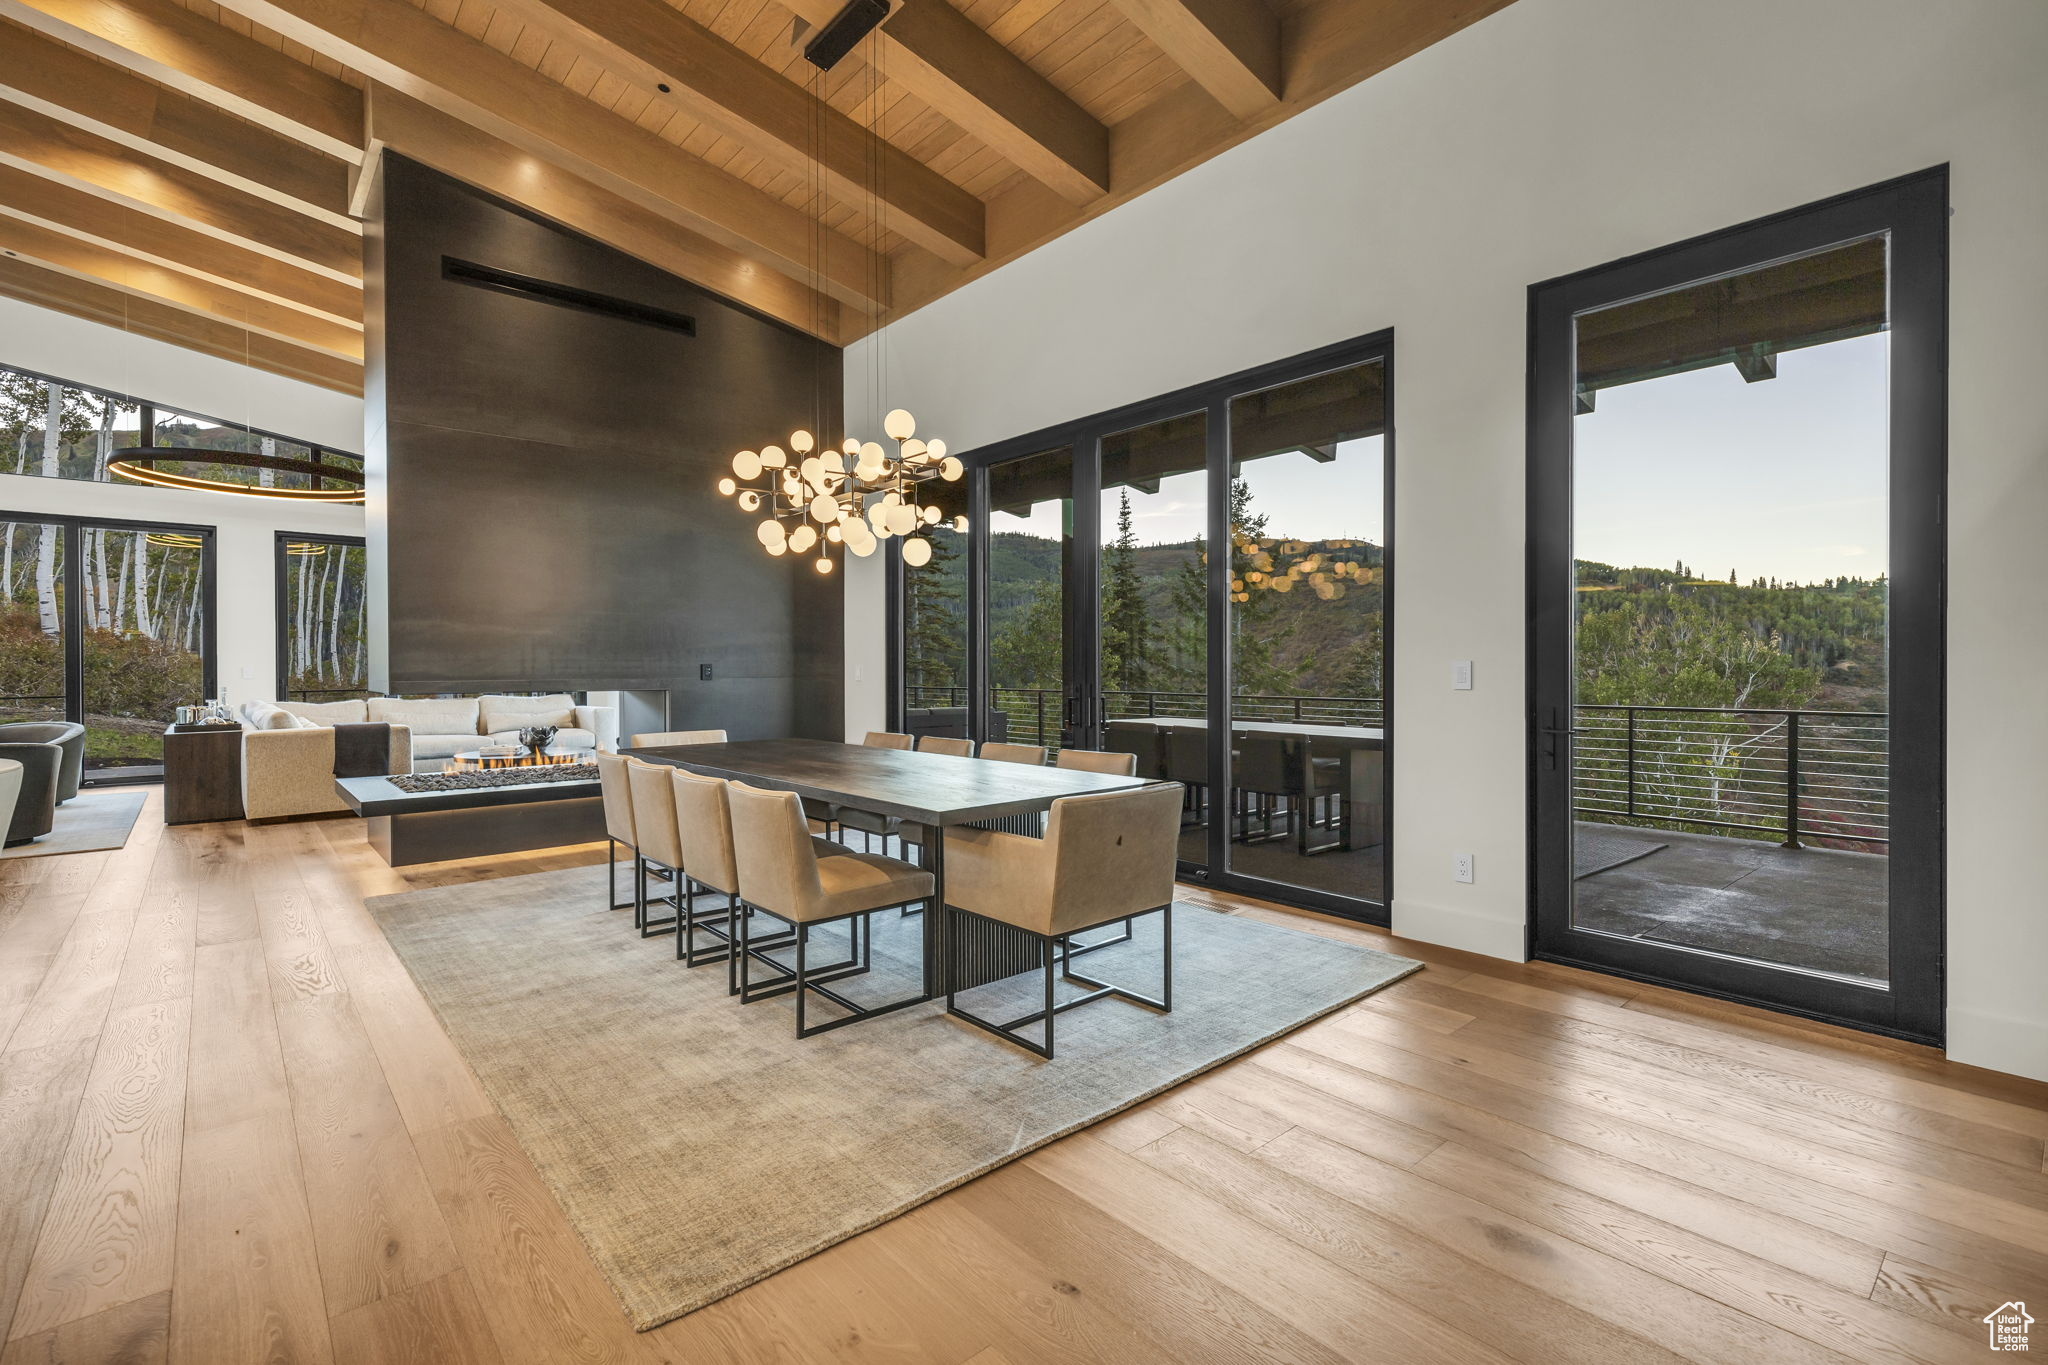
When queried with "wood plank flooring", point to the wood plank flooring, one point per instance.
{"points": [[232, 1131]]}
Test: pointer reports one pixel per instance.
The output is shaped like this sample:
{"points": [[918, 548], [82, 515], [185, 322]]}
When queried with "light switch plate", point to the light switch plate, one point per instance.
{"points": [[1461, 675]]}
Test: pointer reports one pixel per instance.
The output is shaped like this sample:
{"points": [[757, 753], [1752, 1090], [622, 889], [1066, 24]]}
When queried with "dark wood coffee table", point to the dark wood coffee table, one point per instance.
{"points": [[432, 826]]}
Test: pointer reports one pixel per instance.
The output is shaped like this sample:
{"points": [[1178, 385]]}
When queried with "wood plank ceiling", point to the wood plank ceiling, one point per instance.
{"points": [[193, 170]]}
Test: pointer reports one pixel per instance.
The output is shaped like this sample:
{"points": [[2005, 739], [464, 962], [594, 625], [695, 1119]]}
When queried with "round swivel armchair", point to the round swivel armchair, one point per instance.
{"points": [[68, 736], [39, 769]]}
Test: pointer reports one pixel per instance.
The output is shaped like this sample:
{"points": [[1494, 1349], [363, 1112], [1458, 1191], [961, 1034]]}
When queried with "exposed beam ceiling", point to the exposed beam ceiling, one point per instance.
{"points": [[147, 237], [173, 45], [63, 151], [1230, 47], [409, 51], [83, 298], [951, 63], [29, 241], [64, 82], [196, 174], [775, 118]]}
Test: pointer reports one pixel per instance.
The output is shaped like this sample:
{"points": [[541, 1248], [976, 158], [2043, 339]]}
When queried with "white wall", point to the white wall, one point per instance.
{"points": [[65, 347], [1553, 136]]}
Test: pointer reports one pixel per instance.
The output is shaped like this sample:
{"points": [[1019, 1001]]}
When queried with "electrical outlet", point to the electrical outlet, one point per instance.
{"points": [[1461, 675], [704, 672], [1461, 867]]}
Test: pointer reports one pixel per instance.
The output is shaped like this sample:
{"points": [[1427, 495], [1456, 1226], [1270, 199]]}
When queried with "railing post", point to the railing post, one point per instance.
{"points": [[1631, 762], [1040, 696], [1792, 779]]}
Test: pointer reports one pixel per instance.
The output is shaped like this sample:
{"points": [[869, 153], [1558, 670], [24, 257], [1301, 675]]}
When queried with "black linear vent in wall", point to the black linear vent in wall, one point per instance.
{"points": [[564, 296]]}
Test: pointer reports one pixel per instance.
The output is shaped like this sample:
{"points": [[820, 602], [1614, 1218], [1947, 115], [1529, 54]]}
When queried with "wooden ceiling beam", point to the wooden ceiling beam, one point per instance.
{"points": [[1230, 47], [45, 146], [83, 298], [951, 63], [407, 50], [1332, 45], [90, 218], [412, 128], [715, 83], [166, 42], [65, 82], [23, 240]]}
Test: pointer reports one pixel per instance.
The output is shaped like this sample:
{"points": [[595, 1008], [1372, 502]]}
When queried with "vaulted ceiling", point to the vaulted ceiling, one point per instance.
{"points": [[193, 170]]}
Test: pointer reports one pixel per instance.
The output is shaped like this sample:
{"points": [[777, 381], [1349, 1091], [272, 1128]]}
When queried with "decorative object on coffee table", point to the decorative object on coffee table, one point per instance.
{"points": [[513, 756], [537, 737]]}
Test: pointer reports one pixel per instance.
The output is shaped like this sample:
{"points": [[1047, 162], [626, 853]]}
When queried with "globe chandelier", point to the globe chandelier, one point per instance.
{"points": [[855, 496], [858, 494]]}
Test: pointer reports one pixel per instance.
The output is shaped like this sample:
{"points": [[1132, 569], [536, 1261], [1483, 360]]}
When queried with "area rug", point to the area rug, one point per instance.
{"points": [[1597, 850], [698, 1147], [87, 823]]}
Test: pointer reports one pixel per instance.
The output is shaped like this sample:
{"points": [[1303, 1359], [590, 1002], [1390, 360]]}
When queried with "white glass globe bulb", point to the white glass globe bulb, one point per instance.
{"points": [[802, 538], [950, 469], [726, 486], [917, 552], [834, 534], [900, 424], [851, 445], [823, 565], [912, 449], [863, 547], [772, 457], [935, 449], [878, 513], [902, 519], [778, 549], [824, 508], [960, 524], [800, 441], [770, 533], [931, 515], [746, 464], [833, 462], [750, 501]]}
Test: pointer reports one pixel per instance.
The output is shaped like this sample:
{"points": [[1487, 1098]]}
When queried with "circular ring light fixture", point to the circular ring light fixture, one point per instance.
{"points": [[142, 464]]}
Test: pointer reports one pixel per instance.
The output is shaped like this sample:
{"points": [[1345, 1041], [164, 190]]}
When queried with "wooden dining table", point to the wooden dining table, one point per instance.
{"points": [[931, 791]]}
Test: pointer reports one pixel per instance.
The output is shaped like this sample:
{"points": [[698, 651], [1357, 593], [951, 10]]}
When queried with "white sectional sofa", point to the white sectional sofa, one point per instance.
{"points": [[288, 747]]}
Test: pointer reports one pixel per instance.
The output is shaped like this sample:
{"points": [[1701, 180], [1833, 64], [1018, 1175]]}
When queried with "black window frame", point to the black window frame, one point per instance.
{"points": [[280, 566], [1913, 211], [1084, 435]]}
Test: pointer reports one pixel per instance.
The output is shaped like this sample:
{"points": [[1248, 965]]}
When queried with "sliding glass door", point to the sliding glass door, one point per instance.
{"points": [[1034, 694], [108, 624], [1097, 615], [1736, 480]]}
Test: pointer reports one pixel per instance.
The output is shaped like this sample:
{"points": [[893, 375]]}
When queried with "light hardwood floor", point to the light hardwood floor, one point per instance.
{"points": [[231, 1130]]}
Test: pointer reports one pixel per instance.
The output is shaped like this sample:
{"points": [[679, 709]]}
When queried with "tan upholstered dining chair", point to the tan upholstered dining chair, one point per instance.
{"points": [[887, 739], [616, 789], [946, 744], [781, 874], [654, 829], [1099, 761], [1104, 858], [661, 738], [995, 751]]}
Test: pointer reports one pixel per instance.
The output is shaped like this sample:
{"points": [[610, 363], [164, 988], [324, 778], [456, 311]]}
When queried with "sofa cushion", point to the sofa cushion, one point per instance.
{"points": [[500, 713], [428, 716], [263, 715], [444, 746], [326, 712]]}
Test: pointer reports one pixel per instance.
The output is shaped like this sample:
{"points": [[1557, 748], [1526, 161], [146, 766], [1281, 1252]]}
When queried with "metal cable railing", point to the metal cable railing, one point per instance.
{"points": [[1797, 774]]}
